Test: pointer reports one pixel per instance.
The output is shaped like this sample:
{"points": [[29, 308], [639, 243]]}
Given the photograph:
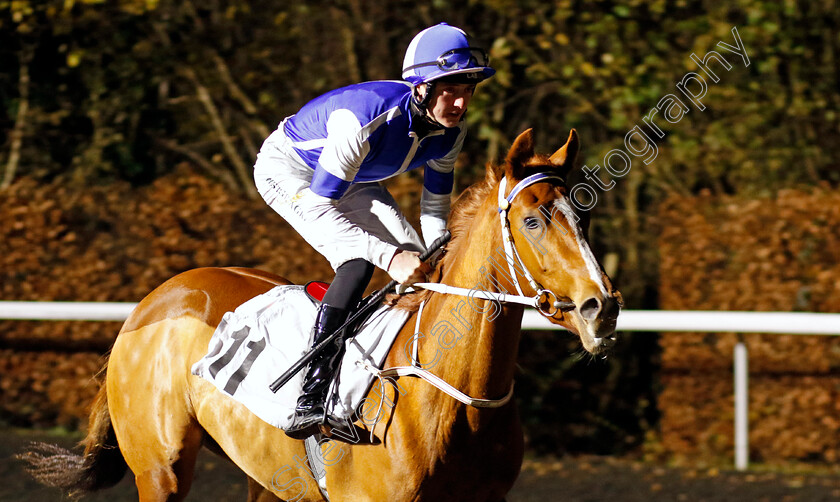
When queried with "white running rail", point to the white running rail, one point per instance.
{"points": [[797, 323]]}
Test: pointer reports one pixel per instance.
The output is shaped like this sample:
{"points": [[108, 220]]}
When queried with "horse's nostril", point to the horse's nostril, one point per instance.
{"points": [[611, 308], [590, 309]]}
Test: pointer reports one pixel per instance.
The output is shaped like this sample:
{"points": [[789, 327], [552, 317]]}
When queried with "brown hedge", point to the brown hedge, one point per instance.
{"points": [[779, 253], [47, 388], [792, 417], [115, 243]]}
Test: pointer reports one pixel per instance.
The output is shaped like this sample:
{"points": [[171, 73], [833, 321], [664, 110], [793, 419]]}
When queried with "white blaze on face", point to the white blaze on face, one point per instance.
{"points": [[591, 264]]}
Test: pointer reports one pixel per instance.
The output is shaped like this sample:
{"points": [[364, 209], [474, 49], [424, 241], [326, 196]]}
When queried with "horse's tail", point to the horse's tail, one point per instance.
{"points": [[100, 466]]}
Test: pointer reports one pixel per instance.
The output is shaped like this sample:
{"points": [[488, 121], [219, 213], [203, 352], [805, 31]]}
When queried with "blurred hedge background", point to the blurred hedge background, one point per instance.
{"points": [[128, 129]]}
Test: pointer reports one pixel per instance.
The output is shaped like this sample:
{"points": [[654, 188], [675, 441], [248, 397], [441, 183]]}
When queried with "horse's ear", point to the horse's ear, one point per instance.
{"points": [[564, 158], [521, 152]]}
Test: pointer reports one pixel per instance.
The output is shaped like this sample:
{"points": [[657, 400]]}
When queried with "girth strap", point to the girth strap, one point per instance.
{"points": [[439, 383], [416, 371]]}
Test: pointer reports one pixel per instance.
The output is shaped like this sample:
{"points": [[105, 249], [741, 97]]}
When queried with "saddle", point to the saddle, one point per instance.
{"points": [[269, 333], [316, 290]]}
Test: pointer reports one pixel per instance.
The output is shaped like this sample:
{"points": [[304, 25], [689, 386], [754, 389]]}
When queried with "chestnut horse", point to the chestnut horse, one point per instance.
{"points": [[153, 415]]}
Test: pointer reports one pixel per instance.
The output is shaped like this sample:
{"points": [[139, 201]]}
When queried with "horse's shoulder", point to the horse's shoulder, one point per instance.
{"points": [[204, 293]]}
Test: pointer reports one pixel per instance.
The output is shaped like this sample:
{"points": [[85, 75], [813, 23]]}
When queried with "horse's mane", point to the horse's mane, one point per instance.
{"points": [[461, 217]]}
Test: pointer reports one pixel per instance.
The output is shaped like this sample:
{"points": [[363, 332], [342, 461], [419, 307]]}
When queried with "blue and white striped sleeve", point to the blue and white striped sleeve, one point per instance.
{"points": [[344, 150], [434, 211], [438, 182], [439, 175]]}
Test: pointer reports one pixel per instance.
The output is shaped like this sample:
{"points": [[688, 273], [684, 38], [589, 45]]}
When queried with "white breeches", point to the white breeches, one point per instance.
{"points": [[365, 222]]}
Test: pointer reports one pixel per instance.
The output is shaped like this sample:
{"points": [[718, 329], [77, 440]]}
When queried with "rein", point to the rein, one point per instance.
{"points": [[511, 254]]}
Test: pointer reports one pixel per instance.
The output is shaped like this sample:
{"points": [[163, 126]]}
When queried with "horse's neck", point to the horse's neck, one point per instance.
{"points": [[482, 360]]}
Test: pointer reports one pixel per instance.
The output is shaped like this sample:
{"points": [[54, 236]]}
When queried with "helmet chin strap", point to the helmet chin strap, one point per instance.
{"points": [[431, 120], [422, 102], [422, 106]]}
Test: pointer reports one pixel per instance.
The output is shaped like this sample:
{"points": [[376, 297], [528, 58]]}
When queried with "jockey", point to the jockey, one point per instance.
{"points": [[320, 170]]}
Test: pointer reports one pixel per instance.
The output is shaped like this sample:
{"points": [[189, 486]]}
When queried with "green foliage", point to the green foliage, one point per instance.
{"points": [[121, 70]]}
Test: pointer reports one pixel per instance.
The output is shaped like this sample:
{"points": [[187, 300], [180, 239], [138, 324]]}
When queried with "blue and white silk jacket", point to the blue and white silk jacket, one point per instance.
{"points": [[363, 133]]}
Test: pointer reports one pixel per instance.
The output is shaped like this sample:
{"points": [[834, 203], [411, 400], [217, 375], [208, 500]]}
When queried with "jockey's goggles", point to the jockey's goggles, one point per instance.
{"points": [[458, 59]]}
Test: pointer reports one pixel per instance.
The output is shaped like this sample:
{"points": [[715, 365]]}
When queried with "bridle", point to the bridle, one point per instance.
{"points": [[512, 258], [511, 252], [416, 370]]}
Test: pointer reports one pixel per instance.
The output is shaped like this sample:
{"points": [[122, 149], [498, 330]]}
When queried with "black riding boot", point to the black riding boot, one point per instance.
{"points": [[310, 411]]}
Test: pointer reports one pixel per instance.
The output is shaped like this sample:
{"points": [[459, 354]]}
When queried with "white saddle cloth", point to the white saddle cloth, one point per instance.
{"points": [[264, 336]]}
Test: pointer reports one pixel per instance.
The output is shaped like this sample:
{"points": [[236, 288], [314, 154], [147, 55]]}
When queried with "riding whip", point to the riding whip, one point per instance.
{"points": [[375, 300]]}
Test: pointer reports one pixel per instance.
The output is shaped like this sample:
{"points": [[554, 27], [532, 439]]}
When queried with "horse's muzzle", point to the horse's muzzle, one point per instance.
{"points": [[604, 312], [601, 315]]}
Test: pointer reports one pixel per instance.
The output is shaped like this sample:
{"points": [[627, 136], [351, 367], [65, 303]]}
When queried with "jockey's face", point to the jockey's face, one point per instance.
{"points": [[449, 102]]}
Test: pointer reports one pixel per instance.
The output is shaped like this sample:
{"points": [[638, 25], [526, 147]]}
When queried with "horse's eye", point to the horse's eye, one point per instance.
{"points": [[532, 223]]}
